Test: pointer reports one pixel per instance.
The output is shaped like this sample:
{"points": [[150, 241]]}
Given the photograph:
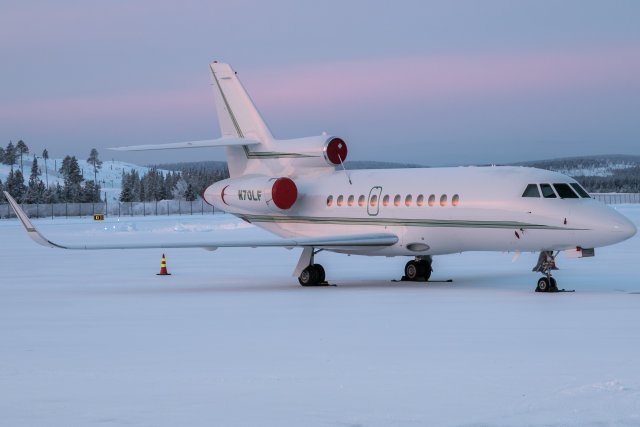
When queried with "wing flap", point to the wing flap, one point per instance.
{"points": [[205, 143], [328, 242]]}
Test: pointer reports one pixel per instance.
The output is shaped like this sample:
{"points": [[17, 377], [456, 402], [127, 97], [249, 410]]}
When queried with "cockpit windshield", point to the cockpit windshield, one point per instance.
{"points": [[581, 191], [571, 190], [565, 191], [547, 191]]}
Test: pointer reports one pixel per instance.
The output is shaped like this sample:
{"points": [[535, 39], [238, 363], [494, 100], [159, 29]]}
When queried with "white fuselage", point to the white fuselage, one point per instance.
{"points": [[438, 211]]}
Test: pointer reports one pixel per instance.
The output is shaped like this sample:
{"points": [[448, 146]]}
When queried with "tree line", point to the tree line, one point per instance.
{"points": [[75, 189], [183, 183]]}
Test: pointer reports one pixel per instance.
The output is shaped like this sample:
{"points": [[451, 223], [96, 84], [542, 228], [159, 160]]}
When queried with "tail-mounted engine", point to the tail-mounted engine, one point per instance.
{"points": [[313, 152], [252, 194]]}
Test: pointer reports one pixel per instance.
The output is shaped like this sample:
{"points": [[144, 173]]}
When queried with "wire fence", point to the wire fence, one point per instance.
{"points": [[180, 207], [115, 209], [616, 198]]}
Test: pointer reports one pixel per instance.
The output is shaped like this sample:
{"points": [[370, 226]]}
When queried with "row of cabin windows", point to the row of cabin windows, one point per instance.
{"points": [[564, 191], [397, 200]]}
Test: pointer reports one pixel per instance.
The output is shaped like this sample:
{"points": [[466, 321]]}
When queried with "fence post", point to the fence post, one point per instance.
{"points": [[51, 210], [191, 206], [37, 210]]}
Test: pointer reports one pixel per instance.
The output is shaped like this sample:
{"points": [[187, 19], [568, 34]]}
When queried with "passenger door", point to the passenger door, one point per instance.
{"points": [[373, 202]]}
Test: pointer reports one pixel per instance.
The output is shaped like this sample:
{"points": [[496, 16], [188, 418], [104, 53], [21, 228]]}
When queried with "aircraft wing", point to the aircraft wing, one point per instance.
{"points": [[220, 142], [337, 241]]}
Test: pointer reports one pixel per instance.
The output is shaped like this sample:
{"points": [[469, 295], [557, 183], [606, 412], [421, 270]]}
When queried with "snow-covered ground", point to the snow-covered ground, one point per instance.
{"points": [[231, 339]]}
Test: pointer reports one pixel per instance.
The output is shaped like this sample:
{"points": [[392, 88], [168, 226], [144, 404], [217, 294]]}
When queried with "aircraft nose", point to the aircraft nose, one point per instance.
{"points": [[625, 227]]}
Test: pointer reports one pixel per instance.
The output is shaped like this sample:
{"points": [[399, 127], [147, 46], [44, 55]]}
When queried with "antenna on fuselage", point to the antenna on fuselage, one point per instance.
{"points": [[345, 169]]}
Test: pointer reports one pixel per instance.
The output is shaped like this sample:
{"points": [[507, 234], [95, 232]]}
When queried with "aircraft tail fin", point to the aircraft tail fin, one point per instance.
{"points": [[237, 116]]}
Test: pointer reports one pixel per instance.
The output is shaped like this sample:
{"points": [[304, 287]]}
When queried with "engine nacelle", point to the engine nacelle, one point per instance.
{"points": [[314, 151], [252, 194]]}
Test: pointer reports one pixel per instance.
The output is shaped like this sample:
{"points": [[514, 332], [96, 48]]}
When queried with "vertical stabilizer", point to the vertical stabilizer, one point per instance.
{"points": [[238, 117]]}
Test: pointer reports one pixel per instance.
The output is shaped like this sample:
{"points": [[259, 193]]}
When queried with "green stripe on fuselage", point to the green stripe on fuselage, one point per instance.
{"points": [[404, 222]]}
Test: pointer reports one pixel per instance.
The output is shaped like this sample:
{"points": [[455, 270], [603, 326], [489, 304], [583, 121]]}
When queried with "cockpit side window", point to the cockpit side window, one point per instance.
{"points": [[565, 191], [581, 191], [531, 191], [547, 191]]}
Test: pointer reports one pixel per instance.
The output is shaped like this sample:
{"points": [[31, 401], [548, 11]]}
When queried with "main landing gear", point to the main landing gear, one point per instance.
{"points": [[313, 274], [546, 263], [418, 270]]}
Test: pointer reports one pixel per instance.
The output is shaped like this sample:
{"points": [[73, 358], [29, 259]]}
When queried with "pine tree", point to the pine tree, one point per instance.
{"points": [[35, 188], [15, 185], [45, 156], [1, 155], [72, 179], [21, 148], [95, 161], [126, 193], [10, 155], [189, 194]]}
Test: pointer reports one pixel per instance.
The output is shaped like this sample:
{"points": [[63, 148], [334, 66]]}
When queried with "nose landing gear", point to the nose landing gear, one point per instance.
{"points": [[546, 263]]}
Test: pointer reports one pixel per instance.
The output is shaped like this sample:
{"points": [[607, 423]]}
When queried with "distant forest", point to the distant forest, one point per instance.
{"points": [[37, 190], [598, 174]]}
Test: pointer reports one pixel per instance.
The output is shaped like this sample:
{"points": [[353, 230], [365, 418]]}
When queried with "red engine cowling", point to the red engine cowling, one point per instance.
{"points": [[313, 151], [252, 194]]}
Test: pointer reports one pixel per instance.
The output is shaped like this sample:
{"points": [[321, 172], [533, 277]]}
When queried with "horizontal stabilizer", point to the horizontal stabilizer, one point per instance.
{"points": [[205, 143], [337, 241]]}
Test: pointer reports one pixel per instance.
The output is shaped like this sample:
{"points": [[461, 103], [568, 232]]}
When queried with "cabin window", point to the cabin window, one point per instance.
{"points": [[565, 191], [432, 200], [373, 201], [455, 200], [350, 200], [340, 200], [329, 201], [385, 200], [547, 191], [408, 200], [531, 191], [420, 200], [443, 200], [581, 191], [396, 200], [361, 201]]}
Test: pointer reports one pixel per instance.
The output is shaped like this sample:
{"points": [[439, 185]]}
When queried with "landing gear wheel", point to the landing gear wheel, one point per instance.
{"points": [[414, 270], [553, 285], [313, 275], [426, 268], [321, 274], [309, 276], [543, 285]]}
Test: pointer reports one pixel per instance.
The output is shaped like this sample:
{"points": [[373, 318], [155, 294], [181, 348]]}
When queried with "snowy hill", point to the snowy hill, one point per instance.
{"points": [[109, 176]]}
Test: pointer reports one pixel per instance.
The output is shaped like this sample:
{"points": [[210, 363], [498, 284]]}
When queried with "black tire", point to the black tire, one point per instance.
{"points": [[321, 273], [426, 267], [309, 276], [553, 285], [543, 285], [414, 270]]}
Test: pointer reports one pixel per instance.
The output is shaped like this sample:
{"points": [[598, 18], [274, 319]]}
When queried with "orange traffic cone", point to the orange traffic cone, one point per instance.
{"points": [[163, 268]]}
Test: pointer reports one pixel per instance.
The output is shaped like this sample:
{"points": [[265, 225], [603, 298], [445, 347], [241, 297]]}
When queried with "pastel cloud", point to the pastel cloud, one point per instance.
{"points": [[415, 78], [358, 84]]}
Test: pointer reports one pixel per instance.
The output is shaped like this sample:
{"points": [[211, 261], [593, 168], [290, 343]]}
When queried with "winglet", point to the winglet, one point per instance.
{"points": [[26, 222]]}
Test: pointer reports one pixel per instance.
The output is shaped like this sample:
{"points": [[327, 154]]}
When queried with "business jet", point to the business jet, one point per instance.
{"points": [[300, 190]]}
